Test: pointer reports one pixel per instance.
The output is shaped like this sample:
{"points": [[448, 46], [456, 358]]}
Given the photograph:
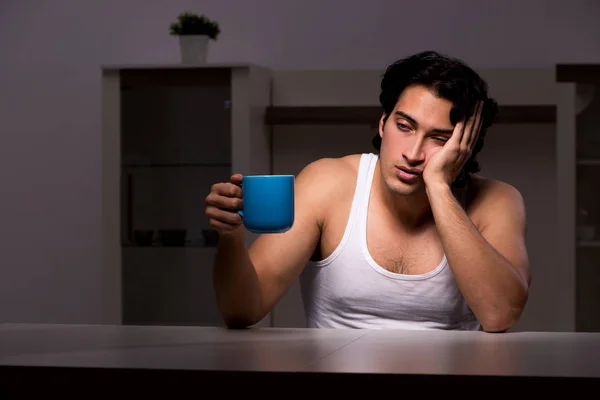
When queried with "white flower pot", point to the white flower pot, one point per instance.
{"points": [[193, 48]]}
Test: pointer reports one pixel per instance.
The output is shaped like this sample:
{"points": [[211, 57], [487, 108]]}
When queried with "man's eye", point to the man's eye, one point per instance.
{"points": [[404, 127]]}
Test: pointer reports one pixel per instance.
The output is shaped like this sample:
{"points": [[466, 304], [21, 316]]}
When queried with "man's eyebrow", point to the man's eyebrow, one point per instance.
{"points": [[411, 119], [406, 116]]}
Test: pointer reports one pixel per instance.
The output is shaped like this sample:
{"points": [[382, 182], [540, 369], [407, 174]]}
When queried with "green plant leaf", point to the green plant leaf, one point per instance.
{"points": [[192, 24]]}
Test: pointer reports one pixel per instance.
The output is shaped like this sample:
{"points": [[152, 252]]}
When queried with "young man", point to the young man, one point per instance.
{"points": [[410, 238]]}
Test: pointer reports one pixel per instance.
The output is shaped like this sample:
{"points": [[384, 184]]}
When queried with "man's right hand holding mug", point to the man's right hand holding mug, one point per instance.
{"points": [[222, 204]]}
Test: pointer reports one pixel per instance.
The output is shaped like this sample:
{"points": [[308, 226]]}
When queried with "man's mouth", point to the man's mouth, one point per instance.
{"points": [[412, 171], [408, 175]]}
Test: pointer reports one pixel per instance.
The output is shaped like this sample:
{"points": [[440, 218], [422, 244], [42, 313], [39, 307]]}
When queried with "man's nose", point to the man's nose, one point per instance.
{"points": [[414, 153]]}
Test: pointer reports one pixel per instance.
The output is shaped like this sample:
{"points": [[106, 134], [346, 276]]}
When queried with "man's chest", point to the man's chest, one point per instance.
{"points": [[401, 253]]}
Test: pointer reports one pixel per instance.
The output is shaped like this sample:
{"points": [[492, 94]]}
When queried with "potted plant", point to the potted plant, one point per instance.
{"points": [[194, 32]]}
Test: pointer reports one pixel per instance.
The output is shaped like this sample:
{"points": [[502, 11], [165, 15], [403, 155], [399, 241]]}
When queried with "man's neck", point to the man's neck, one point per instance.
{"points": [[413, 212]]}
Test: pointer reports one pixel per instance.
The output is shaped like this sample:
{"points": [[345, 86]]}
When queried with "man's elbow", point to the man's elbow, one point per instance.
{"points": [[241, 319], [237, 313], [238, 322], [496, 327], [497, 324], [500, 322]]}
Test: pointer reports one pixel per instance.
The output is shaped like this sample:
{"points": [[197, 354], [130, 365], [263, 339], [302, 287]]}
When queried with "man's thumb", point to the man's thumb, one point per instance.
{"points": [[236, 179]]}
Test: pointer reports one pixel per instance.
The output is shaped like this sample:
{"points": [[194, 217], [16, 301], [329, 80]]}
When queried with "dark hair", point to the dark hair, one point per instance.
{"points": [[452, 80]]}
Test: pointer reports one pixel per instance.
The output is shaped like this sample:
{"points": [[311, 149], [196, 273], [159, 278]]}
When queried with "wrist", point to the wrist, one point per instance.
{"points": [[438, 191], [436, 186], [234, 235]]}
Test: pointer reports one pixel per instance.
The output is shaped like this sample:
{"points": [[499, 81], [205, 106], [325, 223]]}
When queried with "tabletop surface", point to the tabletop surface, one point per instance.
{"points": [[534, 354]]}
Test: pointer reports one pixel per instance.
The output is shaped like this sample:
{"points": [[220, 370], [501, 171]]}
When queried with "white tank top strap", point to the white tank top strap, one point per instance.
{"points": [[368, 182], [362, 182]]}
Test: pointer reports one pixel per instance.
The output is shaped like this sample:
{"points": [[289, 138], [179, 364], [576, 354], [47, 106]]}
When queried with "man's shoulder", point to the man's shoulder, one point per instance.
{"points": [[489, 189], [337, 172], [492, 198], [329, 180]]}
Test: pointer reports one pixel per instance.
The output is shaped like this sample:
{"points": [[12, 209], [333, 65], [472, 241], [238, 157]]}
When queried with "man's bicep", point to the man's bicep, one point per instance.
{"points": [[505, 229], [280, 258]]}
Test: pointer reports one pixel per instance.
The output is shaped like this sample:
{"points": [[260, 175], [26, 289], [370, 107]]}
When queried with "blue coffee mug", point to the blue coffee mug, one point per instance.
{"points": [[268, 203]]}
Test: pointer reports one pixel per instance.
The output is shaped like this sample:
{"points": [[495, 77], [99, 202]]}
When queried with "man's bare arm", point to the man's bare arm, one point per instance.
{"points": [[491, 267], [248, 282]]}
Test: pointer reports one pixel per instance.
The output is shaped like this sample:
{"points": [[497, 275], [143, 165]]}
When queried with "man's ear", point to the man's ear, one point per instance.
{"points": [[381, 124]]}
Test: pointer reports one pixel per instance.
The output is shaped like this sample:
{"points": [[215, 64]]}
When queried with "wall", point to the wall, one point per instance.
{"points": [[50, 103]]}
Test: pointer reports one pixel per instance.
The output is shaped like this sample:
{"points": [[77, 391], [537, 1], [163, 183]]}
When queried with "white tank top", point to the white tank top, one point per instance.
{"points": [[349, 289]]}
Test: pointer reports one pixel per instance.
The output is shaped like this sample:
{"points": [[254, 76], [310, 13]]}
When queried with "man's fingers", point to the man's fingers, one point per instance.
{"points": [[236, 179], [471, 130], [225, 217], [224, 202], [476, 127], [227, 190], [458, 133]]}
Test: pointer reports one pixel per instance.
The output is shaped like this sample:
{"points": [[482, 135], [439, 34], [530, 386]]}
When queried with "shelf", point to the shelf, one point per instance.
{"points": [[175, 66], [588, 243], [580, 73], [178, 165], [590, 162], [369, 115], [159, 246], [168, 132]]}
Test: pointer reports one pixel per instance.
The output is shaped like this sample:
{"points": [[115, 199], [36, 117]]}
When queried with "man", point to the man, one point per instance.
{"points": [[409, 238]]}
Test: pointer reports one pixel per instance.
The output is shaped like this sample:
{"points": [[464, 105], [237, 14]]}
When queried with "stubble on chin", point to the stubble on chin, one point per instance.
{"points": [[400, 188]]}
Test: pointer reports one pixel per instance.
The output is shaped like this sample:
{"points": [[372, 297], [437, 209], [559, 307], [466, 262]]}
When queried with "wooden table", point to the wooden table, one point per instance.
{"points": [[147, 358]]}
